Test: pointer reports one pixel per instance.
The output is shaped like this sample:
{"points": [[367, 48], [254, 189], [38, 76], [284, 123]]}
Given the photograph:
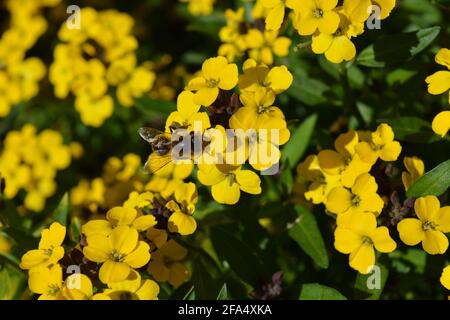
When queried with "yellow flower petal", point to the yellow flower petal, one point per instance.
{"points": [[363, 258], [427, 208], [148, 291], [98, 249], [182, 223], [441, 123], [275, 17], [346, 241], [248, 181], [206, 96], [435, 242], [443, 57], [226, 192], [112, 271], [139, 256], [124, 239], [339, 200], [382, 240], [443, 219], [445, 277], [119, 216], [410, 230], [439, 82]]}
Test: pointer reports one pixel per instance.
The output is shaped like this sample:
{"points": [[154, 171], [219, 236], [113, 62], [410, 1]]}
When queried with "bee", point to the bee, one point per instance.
{"points": [[162, 145]]}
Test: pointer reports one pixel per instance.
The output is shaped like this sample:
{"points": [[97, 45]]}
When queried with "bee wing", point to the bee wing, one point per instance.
{"points": [[156, 162], [149, 134]]}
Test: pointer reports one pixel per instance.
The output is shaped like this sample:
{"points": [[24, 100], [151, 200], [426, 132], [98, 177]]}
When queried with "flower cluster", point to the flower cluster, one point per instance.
{"points": [[439, 83], [221, 162], [240, 36], [135, 238], [200, 7], [332, 27], [30, 162], [341, 180], [97, 56], [20, 74]]}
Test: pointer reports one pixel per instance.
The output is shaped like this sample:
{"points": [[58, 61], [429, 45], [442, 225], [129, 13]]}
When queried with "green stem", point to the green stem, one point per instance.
{"points": [[349, 98]]}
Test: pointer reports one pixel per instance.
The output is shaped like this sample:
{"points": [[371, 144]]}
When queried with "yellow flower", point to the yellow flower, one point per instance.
{"points": [[131, 288], [433, 221], [47, 282], [316, 15], [275, 15], [119, 252], [439, 82], [158, 237], [359, 238], [261, 138], [321, 182], [441, 123], [263, 45], [5, 244], [345, 162], [362, 197], [415, 169], [445, 277], [181, 220], [50, 249], [337, 46], [257, 107], [227, 182], [187, 113], [381, 145], [278, 79], [140, 82], [216, 74], [94, 111], [118, 216], [165, 264], [200, 7], [77, 287]]}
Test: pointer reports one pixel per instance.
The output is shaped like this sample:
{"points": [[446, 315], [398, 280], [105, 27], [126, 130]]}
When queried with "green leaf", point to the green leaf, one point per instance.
{"points": [[396, 49], [151, 107], [223, 294], [411, 129], [315, 291], [287, 179], [309, 91], [241, 258], [297, 145], [435, 182], [62, 211], [23, 238], [75, 229], [204, 285], [12, 282], [370, 286], [307, 235]]}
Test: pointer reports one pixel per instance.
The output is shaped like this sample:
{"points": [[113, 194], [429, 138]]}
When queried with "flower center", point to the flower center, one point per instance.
{"points": [[48, 251], [356, 200], [116, 256], [339, 32], [318, 13], [367, 240], [53, 289], [263, 109], [231, 178], [429, 225], [212, 83]]}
